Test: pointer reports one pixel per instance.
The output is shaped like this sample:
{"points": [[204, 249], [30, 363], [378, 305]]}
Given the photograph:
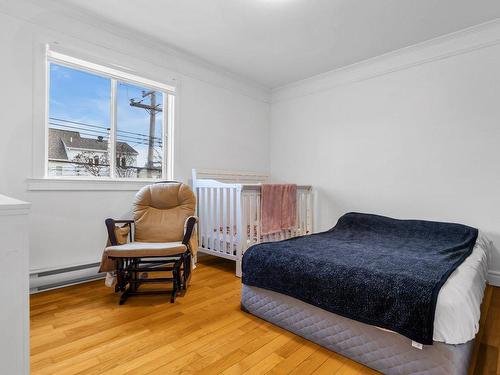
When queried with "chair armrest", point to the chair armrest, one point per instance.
{"points": [[123, 221], [110, 226], [190, 223]]}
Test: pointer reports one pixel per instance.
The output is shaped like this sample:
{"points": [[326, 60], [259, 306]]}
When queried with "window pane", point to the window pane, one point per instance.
{"points": [[79, 123], [139, 133]]}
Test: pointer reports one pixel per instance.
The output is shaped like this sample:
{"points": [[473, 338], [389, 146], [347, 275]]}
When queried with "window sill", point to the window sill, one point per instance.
{"points": [[76, 184]]}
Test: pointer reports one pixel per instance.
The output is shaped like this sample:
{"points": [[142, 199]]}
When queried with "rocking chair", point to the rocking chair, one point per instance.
{"points": [[161, 238]]}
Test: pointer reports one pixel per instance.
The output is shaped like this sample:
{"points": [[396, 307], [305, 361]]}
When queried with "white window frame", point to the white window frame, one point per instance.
{"points": [[46, 182]]}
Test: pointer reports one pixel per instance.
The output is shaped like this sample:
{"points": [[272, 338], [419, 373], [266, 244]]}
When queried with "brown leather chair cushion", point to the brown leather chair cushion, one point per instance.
{"points": [[160, 211]]}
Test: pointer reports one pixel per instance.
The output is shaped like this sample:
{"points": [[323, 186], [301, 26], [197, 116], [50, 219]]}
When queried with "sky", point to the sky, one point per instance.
{"points": [[85, 98]]}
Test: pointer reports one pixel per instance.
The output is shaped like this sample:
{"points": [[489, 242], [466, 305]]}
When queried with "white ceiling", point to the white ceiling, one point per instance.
{"points": [[275, 42]]}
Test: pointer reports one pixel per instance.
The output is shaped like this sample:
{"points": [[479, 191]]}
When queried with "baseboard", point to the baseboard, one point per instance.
{"points": [[494, 278], [47, 279]]}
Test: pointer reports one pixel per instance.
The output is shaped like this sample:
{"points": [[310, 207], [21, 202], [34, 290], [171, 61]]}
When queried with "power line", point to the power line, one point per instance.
{"points": [[94, 133], [99, 165], [101, 127], [105, 131]]}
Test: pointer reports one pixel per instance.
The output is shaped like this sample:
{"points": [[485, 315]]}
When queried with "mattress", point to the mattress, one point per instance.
{"points": [[458, 307], [387, 352]]}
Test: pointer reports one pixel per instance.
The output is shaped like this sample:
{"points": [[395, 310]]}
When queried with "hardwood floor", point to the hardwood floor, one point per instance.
{"points": [[82, 330], [488, 361]]}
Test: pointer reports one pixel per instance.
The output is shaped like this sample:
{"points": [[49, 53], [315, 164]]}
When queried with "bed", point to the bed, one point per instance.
{"points": [[447, 348]]}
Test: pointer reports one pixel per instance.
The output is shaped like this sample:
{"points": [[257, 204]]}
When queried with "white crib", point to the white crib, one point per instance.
{"points": [[228, 207]]}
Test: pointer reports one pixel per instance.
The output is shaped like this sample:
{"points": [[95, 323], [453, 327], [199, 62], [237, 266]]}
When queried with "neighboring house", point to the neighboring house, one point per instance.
{"points": [[70, 154]]}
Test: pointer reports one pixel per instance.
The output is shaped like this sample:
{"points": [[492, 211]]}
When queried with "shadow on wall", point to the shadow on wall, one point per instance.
{"points": [[326, 209], [494, 274]]}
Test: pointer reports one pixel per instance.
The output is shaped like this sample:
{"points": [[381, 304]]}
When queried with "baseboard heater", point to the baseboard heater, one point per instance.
{"points": [[47, 279]]}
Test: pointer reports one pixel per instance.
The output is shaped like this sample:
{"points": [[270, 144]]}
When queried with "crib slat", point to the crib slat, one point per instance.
{"points": [[248, 238], [220, 228], [306, 204], [240, 236], [232, 222], [244, 213], [251, 209], [201, 221], [296, 230], [201, 215], [255, 223], [301, 213], [217, 219], [258, 217], [253, 217], [212, 218], [200, 204], [224, 220], [309, 227], [305, 211], [205, 216]]}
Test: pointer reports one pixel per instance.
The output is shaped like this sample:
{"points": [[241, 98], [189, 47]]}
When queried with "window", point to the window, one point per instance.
{"points": [[104, 123]]}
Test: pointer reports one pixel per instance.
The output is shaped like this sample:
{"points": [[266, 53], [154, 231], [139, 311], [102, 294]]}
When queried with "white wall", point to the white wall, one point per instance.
{"points": [[223, 123], [414, 134], [411, 134]]}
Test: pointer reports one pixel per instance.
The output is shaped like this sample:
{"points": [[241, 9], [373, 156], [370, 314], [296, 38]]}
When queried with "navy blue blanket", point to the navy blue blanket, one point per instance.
{"points": [[370, 268]]}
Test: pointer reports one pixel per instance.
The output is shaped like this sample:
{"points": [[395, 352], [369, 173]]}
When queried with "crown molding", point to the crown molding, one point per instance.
{"points": [[70, 20], [460, 42]]}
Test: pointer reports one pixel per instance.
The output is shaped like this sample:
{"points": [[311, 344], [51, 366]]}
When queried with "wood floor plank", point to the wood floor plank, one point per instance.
{"points": [[330, 366], [293, 360], [217, 351], [82, 330], [265, 365], [258, 355], [311, 363]]}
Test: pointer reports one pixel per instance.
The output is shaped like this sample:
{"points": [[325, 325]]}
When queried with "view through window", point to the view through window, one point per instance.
{"points": [[104, 127]]}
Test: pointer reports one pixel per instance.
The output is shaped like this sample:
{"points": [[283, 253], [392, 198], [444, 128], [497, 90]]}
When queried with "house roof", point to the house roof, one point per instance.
{"points": [[59, 138]]}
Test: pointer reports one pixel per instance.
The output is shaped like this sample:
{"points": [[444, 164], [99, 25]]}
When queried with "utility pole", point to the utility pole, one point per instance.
{"points": [[152, 109]]}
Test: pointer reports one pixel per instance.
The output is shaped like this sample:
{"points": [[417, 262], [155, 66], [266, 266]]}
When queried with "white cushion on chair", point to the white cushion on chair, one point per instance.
{"points": [[144, 249]]}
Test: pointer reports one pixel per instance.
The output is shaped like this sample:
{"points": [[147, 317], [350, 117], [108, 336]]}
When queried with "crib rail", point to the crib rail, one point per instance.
{"points": [[230, 218], [252, 219], [220, 223]]}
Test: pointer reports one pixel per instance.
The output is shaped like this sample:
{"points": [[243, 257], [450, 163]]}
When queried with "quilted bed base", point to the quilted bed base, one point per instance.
{"points": [[384, 351]]}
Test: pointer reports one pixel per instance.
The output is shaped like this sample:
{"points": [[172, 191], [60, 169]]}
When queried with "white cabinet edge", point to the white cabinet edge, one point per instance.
{"points": [[12, 206]]}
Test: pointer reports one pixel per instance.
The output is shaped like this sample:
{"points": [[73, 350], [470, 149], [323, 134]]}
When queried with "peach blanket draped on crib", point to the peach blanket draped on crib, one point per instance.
{"points": [[278, 207]]}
